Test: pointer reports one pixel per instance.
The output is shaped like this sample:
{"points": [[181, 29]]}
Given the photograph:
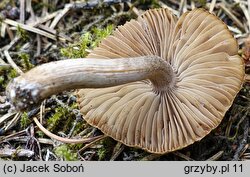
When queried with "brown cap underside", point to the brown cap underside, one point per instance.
{"points": [[209, 74]]}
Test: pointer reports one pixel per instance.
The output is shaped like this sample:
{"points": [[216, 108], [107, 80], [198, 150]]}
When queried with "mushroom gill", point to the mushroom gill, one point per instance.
{"points": [[208, 73], [168, 82]]}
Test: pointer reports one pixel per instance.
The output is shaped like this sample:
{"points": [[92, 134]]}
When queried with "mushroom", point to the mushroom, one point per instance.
{"points": [[158, 83]]}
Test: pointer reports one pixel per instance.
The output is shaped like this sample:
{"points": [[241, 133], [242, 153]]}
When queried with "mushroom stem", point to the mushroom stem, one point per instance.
{"points": [[45, 80]]}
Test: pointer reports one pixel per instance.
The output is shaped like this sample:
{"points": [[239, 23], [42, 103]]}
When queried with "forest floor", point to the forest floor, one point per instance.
{"points": [[35, 32]]}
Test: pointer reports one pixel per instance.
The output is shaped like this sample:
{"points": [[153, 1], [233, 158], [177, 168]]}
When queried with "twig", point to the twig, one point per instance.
{"points": [[3, 30], [215, 156], [176, 12], [64, 140], [16, 152], [9, 31], [39, 45], [243, 141], [92, 143], [151, 157], [212, 5], [182, 156], [242, 154], [33, 29], [52, 31], [6, 138], [133, 9], [45, 8], [60, 15], [44, 19], [22, 11], [117, 151], [6, 117], [232, 16], [13, 121], [12, 63], [246, 13], [30, 9], [181, 7]]}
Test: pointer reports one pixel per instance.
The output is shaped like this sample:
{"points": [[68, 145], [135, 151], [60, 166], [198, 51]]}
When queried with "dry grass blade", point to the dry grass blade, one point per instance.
{"points": [[44, 19], [3, 29], [16, 152], [212, 5], [13, 121], [33, 29], [11, 136], [60, 15], [12, 63], [183, 156], [52, 31], [64, 140], [117, 151], [92, 143], [162, 4], [134, 9], [22, 11], [216, 156], [45, 8], [232, 16], [45, 141], [6, 117], [182, 7], [246, 13], [151, 157], [242, 154]]}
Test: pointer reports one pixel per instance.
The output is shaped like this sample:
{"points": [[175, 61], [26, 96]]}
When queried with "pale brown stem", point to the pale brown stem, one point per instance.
{"points": [[31, 88]]}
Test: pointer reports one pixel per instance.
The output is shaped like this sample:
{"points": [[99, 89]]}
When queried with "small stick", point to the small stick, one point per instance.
{"points": [[33, 29], [45, 8], [243, 141], [151, 157], [9, 31], [22, 11], [215, 156], [117, 151], [60, 16], [101, 137], [64, 140], [16, 152], [212, 5], [246, 13], [232, 16], [181, 7], [182, 156], [13, 121], [12, 63]]}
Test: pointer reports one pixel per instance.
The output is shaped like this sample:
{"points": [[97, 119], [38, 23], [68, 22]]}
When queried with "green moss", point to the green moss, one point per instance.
{"points": [[105, 151], [6, 76], [12, 74], [66, 153], [201, 3], [25, 61], [40, 134], [25, 121], [152, 3], [1, 80], [78, 49], [87, 41], [99, 34], [57, 118], [22, 33]]}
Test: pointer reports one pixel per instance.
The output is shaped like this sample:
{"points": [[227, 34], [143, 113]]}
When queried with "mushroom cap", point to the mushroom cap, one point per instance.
{"points": [[209, 74]]}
